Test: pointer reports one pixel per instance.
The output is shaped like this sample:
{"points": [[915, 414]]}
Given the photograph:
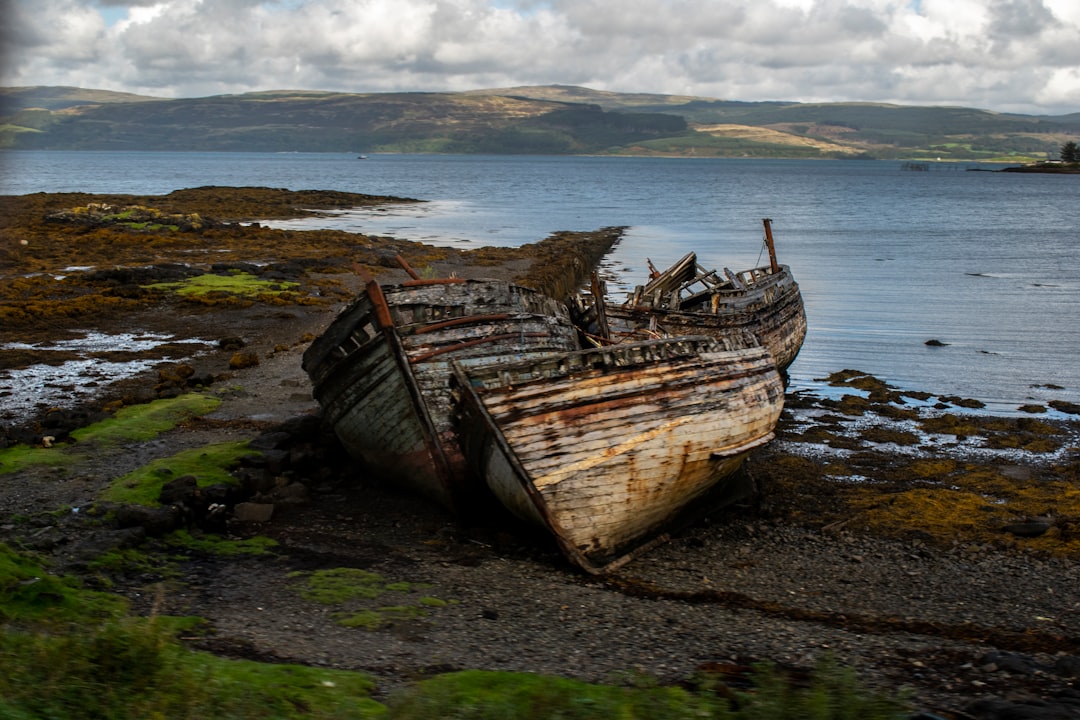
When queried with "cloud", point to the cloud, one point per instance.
{"points": [[1014, 55]]}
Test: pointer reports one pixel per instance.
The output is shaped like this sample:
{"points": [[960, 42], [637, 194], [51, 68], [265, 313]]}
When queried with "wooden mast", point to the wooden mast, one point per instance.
{"points": [[773, 265]]}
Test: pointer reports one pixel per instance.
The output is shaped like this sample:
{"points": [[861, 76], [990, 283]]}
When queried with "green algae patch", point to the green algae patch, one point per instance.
{"points": [[22, 457], [209, 464], [354, 592], [211, 544], [240, 284], [339, 585], [136, 423]]}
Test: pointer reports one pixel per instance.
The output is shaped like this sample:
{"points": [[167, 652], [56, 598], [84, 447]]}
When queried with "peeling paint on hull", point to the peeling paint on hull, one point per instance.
{"points": [[605, 447], [381, 370]]}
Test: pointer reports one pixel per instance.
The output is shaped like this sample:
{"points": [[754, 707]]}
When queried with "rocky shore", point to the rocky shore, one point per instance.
{"points": [[931, 548]]}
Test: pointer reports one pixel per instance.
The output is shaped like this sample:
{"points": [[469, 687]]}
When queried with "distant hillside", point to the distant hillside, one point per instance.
{"points": [[554, 119], [14, 99]]}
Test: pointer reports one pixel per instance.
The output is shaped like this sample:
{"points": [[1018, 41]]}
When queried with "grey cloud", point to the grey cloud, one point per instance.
{"points": [[1020, 18], [836, 49]]}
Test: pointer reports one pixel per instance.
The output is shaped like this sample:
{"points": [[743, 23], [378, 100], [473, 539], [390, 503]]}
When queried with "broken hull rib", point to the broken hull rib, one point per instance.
{"points": [[381, 370], [770, 306], [605, 447]]}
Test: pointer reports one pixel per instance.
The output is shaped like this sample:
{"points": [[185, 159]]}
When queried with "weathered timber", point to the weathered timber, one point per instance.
{"points": [[606, 447], [686, 299], [381, 370]]}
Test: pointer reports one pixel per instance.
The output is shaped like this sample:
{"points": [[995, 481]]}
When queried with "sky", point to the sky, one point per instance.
{"points": [[1002, 55]]}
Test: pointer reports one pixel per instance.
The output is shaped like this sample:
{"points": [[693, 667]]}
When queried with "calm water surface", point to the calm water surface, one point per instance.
{"points": [[887, 259]]}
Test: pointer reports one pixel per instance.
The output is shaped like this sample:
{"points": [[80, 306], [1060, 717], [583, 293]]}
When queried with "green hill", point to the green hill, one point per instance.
{"points": [[555, 119]]}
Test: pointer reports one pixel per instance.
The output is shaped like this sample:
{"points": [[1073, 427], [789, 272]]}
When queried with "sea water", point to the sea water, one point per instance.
{"points": [[986, 263]]}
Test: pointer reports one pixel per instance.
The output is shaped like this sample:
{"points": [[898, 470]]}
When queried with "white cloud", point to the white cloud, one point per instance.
{"points": [[1019, 55]]}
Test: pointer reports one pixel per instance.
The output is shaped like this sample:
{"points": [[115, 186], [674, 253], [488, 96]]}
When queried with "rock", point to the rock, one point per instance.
{"points": [[1012, 663], [231, 344], [1068, 408], [293, 493], [995, 709], [270, 441], [154, 521], [935, 343], [1016, 472], [1067, 666], [253, 512], [1028, 528], [181, 491]]}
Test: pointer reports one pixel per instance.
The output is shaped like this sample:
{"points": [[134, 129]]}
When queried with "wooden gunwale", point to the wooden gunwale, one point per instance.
{"points": [[473, 343], [459, 321], [434, 281]]}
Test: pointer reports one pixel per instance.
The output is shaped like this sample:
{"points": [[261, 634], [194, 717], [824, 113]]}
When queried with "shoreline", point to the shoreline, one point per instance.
{"points": [[877, 540]]}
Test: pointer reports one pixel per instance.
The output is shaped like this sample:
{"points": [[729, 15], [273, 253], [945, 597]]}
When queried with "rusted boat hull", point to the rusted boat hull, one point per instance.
{"points": [[381, 370], [606, 447], [769, 305]]}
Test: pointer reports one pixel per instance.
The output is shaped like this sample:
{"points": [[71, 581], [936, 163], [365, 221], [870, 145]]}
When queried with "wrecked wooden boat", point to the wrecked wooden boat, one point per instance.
{"points": [[687, 299], [605, 447], [381, 370]]}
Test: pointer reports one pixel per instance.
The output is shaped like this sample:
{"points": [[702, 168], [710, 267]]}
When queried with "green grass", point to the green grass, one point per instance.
{"points": [[135, 668], [832, 694], [66, 652], [210, 464], [243, 284], [28, 592]]}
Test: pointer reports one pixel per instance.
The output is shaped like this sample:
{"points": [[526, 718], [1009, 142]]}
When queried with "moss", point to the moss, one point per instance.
{"points": [[244, 284], [353, 589], [210, 464], [146, 421], [28, 592], [338, 585], [365, 619], [132, 423], [432, 602], [212, 544], [22, 457]]}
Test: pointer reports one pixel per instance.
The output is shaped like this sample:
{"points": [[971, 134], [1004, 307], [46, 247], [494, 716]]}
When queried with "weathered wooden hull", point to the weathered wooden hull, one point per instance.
{"points": [[605, 447], [770, 306], [381, 370]]}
